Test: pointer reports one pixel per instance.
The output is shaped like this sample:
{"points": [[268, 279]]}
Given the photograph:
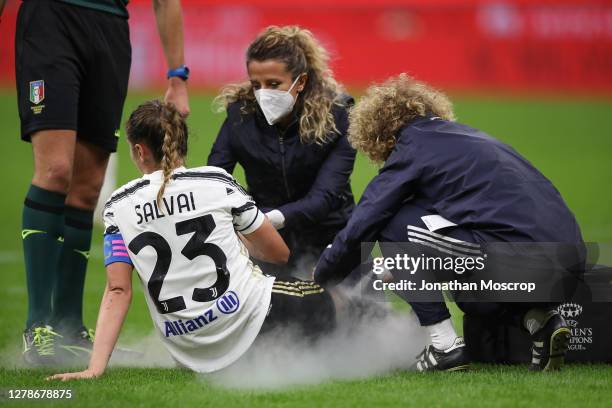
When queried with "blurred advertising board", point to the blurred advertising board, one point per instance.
{"points": [[561, 45]]}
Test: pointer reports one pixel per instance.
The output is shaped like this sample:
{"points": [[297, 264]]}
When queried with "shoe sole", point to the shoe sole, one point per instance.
{"points": [[558, 348], [39, 361], [464, 367]]}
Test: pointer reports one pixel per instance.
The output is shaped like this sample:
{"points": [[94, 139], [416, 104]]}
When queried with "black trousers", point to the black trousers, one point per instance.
{"points": [[301, 306], [450, 241]]}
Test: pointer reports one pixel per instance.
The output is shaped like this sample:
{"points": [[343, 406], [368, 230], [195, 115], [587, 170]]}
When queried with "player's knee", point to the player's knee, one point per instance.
{"points": [[55, 176], [84, 195]]}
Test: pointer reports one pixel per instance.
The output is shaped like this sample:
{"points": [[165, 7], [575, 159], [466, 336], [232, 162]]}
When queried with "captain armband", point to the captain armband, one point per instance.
{"points": [[115, 250]]}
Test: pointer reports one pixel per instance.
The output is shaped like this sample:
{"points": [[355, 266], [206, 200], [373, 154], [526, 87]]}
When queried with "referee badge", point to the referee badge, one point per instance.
{"points": [[37, 91]]}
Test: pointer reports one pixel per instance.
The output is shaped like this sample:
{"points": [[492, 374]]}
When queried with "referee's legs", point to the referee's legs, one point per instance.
{"points": [[43, 218], [87, 178]]}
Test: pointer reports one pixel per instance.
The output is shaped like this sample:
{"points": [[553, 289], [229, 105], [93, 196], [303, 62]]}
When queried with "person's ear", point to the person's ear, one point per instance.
{"points": [[140, 151], [301, 83]]}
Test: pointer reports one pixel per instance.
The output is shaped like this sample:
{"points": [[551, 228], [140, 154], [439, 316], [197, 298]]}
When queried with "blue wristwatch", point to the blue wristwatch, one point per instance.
{"points": [[181, 72]]}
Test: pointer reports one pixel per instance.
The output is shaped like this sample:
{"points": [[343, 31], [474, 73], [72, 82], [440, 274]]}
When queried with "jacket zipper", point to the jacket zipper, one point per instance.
{"points": [[281, 144]]}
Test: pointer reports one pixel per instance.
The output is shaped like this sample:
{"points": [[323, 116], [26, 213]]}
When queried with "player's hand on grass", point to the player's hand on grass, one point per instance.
{"points": [[81, 375], [177, 94]]}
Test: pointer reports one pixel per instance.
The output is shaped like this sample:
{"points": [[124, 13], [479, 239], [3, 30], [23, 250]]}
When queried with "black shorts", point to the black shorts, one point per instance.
{"points": [[72, 66], [300, 305]]}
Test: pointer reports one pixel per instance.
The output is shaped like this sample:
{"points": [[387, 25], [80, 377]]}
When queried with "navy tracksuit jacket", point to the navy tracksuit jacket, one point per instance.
{"points": [[462, 174], [308, 183]]}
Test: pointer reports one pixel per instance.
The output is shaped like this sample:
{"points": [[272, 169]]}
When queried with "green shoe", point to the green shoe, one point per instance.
{"points": [[39, 345]]}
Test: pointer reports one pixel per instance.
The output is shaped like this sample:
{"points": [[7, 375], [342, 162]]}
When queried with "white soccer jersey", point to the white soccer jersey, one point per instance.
{"points": [[207, 299]]}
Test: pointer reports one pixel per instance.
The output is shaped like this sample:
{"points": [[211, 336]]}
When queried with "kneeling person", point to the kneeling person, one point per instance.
{"points": [[480, 190]]}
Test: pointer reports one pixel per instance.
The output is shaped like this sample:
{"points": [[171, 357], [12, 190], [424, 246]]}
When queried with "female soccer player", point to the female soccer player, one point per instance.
{"points": [[286, 126], [452, 189], [72, 64], [186, 231]]}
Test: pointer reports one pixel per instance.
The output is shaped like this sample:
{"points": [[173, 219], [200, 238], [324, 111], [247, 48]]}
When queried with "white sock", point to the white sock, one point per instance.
{"points": [[442, 334]]}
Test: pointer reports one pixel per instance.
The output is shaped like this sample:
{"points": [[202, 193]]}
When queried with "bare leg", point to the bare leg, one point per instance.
{"points": [[53, 159], [88, 176]]}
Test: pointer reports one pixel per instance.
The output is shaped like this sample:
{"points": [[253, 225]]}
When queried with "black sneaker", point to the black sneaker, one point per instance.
{"points": [[454, 358], [76, 348], [40, 345], [550, 344]]}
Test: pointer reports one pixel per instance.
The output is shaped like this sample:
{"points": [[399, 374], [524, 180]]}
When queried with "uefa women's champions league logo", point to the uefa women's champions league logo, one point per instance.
{"points": [[570, 312], [581, 336]]}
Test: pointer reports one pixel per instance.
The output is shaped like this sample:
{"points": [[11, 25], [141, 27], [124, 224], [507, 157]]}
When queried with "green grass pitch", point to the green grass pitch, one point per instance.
{"points": [[569, 140]]}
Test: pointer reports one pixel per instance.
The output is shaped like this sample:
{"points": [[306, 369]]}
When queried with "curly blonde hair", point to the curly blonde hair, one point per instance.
{"points": [[302, 53], [384, 109]]}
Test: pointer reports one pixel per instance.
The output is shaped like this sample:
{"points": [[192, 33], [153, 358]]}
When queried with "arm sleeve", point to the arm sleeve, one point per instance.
{"points": [[246, 216], [115, 249], [326, 193], [381, 200], [221, 154]]}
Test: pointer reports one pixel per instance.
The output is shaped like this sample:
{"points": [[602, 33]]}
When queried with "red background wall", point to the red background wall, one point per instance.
{"points": [[561, 45]]}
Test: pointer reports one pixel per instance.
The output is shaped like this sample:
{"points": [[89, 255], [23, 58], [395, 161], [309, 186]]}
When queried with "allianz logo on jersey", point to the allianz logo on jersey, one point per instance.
{"points": [[226, 304]]}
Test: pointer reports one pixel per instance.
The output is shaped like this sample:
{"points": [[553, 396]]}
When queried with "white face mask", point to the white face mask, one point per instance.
{"points": [[275, 104]]}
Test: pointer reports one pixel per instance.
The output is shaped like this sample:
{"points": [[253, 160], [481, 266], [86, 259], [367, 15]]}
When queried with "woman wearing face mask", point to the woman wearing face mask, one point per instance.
{"points": [[286, 127]]}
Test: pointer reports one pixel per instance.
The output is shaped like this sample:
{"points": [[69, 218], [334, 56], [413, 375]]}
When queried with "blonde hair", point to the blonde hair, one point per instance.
{"points": [[162, 128], [385, 108], [302, 53]]}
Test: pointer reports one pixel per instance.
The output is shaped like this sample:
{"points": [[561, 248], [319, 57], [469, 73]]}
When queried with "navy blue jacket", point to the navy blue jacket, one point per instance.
{"points": [[464, 175], [308, 183]]}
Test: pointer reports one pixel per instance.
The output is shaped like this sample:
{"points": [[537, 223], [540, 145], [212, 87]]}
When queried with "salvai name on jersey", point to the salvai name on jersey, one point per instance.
{"points": [[149, 211]]}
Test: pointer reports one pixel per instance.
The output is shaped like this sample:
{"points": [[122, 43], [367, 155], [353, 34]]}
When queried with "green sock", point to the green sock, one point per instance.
{"points": [[42, 227], [68, 289]]}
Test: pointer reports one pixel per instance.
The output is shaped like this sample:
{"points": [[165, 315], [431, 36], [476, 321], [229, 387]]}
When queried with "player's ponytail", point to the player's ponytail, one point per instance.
{"points": [[162, 128], [302, 54], [173, 126]]}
